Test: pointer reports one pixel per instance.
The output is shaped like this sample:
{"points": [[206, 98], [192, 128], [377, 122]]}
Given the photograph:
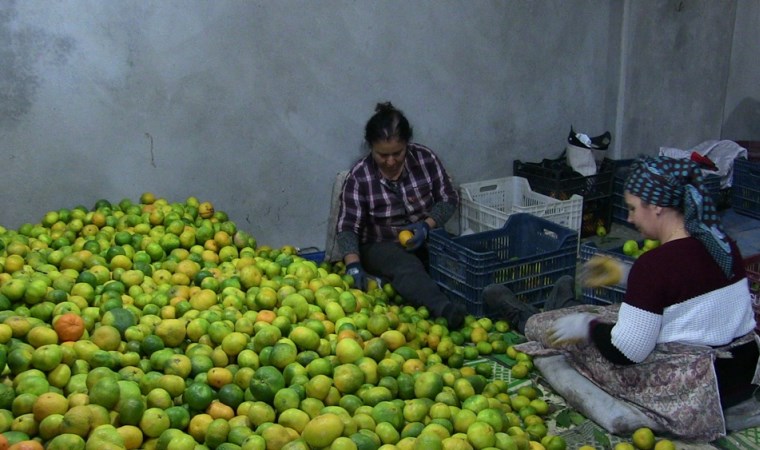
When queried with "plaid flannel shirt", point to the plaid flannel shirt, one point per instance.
{"points": [[376, 209]]}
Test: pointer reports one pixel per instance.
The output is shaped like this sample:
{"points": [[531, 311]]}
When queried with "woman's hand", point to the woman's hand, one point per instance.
{"points": [[420, 230], [603, 270], [570, 329], [356, 271]]}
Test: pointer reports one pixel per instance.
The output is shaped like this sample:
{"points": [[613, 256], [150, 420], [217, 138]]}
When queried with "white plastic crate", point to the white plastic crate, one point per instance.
{"points": [[485, 205]]}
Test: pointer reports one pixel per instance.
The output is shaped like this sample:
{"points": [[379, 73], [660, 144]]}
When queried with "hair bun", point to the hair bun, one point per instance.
{"points": [[384, 107]]}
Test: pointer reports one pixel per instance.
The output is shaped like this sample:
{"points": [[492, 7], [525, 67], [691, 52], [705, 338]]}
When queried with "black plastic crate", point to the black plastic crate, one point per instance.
{"points": [[619, 208], [555, 178], [745, 192], [753, 149], [596, 212], [528, 255]]}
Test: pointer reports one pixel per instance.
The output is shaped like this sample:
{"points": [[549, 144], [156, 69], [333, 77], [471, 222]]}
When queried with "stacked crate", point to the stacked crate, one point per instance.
{"points": [[557, 179], [486, 205], [745, 192]]}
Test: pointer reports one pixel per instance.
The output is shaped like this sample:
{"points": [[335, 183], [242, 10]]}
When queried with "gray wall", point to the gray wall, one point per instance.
{"points": [[255, 105], [741, 118]]}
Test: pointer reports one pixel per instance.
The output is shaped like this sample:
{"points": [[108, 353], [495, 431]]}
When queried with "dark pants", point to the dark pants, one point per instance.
{"points": [[735, 374], [407, 273]]}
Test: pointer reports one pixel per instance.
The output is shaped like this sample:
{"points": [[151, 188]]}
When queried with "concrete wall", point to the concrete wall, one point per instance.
{"points": [[256, 105], [741, 118], [676, 64]]}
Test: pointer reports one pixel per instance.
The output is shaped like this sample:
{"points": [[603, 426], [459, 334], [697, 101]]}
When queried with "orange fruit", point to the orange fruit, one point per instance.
{"points": [[206, 210], [69, 326], [294, 418], [198, 426], [106, 337], [41, 335], [219, 376], [643, 438], [49, 403], [14, 263], [66, 441], [404, 236], [77, 420], [322, 430], [199, 396], [154, 421], [132, 435], [219, 410], [26, 445]]}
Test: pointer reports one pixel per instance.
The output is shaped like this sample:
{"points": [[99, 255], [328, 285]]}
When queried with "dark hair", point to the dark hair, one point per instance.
{"points": [[387, 123]]}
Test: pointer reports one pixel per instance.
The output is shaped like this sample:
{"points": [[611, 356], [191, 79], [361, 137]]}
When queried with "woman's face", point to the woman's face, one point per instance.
{"points": [[389, 156], [642, 215]]}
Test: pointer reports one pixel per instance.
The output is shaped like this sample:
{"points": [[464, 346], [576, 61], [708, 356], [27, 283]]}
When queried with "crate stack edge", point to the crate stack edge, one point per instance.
{"points": [[745, 191], [556, 179], [486, 205]]}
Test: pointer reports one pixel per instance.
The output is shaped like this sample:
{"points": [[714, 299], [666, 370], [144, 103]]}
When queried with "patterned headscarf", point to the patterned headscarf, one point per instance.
{"points": [[678, 183]]}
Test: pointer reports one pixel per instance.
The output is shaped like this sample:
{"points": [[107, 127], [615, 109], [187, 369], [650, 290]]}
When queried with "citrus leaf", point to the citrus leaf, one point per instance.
{"points": [[577, 417], [563, 419], [602, 439]]}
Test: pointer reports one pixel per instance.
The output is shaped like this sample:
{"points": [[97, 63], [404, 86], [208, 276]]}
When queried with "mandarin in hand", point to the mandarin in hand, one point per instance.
{"points": [[404, 236]]}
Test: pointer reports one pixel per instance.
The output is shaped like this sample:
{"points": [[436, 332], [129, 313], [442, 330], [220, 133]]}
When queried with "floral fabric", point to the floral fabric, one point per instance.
{"points": [[675, 385]]}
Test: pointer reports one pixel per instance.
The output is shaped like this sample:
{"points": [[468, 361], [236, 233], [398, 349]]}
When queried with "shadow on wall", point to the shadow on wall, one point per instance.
{"points": [[744, 121]]}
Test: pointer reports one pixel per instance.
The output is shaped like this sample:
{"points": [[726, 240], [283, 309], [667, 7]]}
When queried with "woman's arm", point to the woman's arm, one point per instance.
{"points": [[601, 336]]}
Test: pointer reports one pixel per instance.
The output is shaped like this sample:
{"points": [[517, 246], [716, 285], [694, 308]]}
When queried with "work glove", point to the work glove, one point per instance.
{"points": [[570, 329], [357, 272], [603, 270], [420, 230]]}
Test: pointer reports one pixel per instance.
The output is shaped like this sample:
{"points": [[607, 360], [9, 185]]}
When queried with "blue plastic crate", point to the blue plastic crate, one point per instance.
{"points": [[528, 254], [312, 255], [605, 295], [745, 192]]}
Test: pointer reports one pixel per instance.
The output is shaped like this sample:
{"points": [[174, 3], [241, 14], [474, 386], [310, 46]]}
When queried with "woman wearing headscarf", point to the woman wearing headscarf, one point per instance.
{"points": [[681, 346]]}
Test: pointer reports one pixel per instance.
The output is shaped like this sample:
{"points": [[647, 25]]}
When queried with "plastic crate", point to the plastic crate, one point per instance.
{"points": [[721, 197], [485, 205], [596, 212], [745, 192], [312, 254], [553, 177], [558, 180], [604, 295], [528, 254], [753, 149], [619, 208]]}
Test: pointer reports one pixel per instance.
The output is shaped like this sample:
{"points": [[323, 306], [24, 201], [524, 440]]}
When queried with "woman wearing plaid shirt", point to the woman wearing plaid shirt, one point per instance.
{"points": [[398, 185]]}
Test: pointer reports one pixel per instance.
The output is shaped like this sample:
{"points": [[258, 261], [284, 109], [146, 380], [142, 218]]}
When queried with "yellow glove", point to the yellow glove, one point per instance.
{"points": [[603, 270]]}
